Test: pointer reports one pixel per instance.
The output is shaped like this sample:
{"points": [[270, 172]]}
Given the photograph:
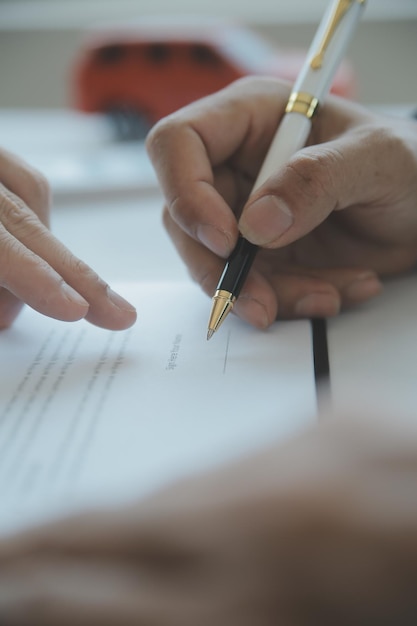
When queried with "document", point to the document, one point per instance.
{"points": [[90, 416]]}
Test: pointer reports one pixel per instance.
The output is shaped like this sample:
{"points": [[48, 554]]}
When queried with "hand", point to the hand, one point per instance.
{"points": [[322, 530], [341, 214], [36, 268]]}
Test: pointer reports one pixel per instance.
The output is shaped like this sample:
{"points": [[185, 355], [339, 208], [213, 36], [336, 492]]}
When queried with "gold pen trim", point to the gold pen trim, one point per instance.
{"points": [[302, 102], [223, 302], [339, 12]]}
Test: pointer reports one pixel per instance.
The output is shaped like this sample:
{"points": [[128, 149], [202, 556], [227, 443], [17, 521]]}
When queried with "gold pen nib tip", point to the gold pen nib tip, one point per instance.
{"points": [[210, 333]]}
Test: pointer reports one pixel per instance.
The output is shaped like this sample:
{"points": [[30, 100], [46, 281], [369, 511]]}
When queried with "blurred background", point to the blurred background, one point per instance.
{"points": [[128, 62], [39, 40]]}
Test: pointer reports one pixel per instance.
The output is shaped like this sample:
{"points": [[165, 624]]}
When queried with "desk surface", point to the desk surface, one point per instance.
{"points": [[123, 239], [373, 351], [77, 153]]}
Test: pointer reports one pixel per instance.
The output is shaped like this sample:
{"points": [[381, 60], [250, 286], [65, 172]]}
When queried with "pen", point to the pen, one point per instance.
{"points": [[323, 58]]}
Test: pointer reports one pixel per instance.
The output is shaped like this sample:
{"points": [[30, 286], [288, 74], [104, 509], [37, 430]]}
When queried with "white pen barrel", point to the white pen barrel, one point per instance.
{"points": [[291, 136], [326, 52], [317, 80]]}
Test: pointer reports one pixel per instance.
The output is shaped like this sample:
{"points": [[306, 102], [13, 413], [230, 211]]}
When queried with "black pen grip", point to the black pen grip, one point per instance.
{"points": [[237, 267]]}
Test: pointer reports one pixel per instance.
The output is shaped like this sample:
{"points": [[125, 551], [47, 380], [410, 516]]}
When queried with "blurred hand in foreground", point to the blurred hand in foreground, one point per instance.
{"points": [[321, 530]]}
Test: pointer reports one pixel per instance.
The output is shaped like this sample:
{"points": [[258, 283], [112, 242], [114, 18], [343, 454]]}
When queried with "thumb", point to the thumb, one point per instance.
{"points": [[315, 182]]}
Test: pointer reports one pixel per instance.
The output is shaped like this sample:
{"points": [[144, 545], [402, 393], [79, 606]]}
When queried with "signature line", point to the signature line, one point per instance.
{"points": [[227, 351]]}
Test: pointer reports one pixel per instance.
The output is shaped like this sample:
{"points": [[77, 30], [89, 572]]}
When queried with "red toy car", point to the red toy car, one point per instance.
{"points": [[141, 73]]}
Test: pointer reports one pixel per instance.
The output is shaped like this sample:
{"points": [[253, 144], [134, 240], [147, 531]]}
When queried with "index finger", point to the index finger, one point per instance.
{"points": [[27, 183], [232, 127]]}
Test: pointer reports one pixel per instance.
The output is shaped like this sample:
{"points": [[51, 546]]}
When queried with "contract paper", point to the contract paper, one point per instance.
{"points": [[90, 416]]}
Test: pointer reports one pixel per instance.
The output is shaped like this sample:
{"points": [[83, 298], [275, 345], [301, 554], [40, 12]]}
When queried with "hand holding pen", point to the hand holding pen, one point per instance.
{"points": [[334, 218], [312, 84]]}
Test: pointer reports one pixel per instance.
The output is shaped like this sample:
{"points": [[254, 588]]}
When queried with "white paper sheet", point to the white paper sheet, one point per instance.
{"points": [[88, 415]]}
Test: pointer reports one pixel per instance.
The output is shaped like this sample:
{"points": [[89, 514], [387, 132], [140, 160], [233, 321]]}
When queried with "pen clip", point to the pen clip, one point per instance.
{"points": [[337, 15]]}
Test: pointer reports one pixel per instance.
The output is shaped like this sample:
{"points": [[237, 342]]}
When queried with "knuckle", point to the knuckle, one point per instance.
{"points": [[383, 137], [10, 253], [39, 194], [84, 272], [10, 205], [40, 189], [14, 213], [36, 191], [392, 143], [251, 85], [160, 132], [79, 266], [312, 174]]}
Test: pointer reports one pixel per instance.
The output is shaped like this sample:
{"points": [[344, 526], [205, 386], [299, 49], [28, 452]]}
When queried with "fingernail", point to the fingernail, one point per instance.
{"points": [[317, 305], [215, 239], [252, 311], [120, 302], [266, 220], [73, 295], [362, 288]]}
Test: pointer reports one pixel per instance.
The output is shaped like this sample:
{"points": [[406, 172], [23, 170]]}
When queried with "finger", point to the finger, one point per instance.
{"points": [[45, 592], [188, 146], [354, 285], [81, 534], [182, 240], [41, 271], [10, 307], [353, 170], [306, 293], [283, 294], [256, 304], [30, 279], [32, 187], [27, 183], [64, 592], [188, 186], [131, 532], [203, 265], [303, 293]]}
